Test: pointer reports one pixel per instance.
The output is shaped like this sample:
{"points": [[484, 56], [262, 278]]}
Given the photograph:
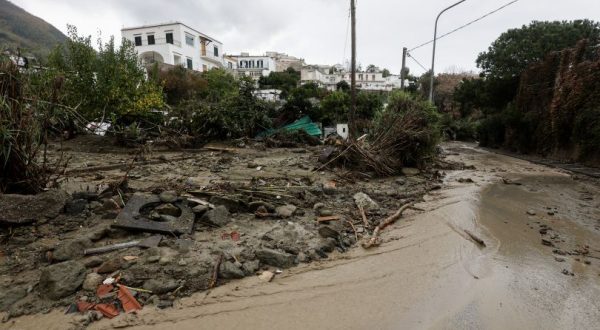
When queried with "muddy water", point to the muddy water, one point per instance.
{"points": [[428, 273]]}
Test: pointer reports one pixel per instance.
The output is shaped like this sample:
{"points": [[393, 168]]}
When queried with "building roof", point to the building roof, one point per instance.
{"points": [[166, 24]]}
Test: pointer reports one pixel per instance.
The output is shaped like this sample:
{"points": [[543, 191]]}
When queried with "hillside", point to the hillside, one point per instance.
{"points": [[18, 28]]}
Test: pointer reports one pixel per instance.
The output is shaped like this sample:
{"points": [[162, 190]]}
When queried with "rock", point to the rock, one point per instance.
{"points": [[93, 262], [254, 206], [97, 233], [168, 209], [363, 200], [286, 211], [164, 304], [61, 280], [167, 218], [318, 206], [92, 281], [328, 232], [200, 209], [559, 259], [400, 182], [109, 205], [250, 267], [303, 258], [547, 242], [218, 217], [232, 205], [168, 197], [72, 249], [252, 165], [228, 270], [25, 209], [76, 207], [544, 231], [531, 212], [266, 276], [329, 188], [11, 295], [160, 286], [167, 255], [551, 213], [152, 259], [465, 180], [95, 205], [110, 266], [87, 195], [325, 213], [409, 171], [276, 258], [567, 272]]}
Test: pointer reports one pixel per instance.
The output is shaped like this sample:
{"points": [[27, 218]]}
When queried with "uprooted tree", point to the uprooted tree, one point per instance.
{"points": [[404, 134]]}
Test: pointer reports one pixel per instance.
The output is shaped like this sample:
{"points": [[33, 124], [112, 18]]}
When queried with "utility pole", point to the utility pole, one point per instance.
{"points": [[351, 126], [434, 44], [403, 71]]}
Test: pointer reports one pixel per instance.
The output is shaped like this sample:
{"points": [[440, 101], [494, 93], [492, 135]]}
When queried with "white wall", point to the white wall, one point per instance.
{"points": [[179, 47]]}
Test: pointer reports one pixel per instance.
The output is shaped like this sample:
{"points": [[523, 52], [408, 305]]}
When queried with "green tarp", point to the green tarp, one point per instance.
{"points": [[304, 123]]}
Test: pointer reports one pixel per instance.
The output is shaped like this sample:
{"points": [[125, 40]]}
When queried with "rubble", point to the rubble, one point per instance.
{"points": [[170, 239]]}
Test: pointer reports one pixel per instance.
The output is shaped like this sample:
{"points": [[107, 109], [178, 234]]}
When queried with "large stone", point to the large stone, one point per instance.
{"points": [[160, 286], [286, 211], [61, 280], [218, 217], [409, 171], [232, 205], [76, 206], [250, 267], [229, 270], [363, 200], [276, 258], [25, 209], [92, 281], [168, 197], [110, 266], [72, 249]]}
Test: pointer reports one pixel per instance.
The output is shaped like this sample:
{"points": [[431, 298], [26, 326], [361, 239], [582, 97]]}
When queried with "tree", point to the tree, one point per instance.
{"points": [[342, 86], [284, 81], [386, 73], [516, 49], [372, 68]]}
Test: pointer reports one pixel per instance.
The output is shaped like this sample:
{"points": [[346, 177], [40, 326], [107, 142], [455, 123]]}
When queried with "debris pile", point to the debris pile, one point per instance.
{"points": [[116, 242]]}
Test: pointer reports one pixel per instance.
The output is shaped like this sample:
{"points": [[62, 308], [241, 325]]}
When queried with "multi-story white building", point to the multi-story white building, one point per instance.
{"points": [[254, 66], [175, 44], [285, 61]]}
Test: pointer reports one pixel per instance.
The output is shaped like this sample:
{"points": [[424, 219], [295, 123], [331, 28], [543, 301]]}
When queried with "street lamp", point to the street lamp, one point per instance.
{"points": [[434, 44]]}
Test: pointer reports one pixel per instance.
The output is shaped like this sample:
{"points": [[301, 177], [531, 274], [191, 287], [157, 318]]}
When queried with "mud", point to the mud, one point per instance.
{"points": [[236, 181], [428, 273]]}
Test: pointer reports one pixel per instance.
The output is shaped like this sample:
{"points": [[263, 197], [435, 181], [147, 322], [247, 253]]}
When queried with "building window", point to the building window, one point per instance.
{"points": [[138, 40], [230, 65], [204, 67], [169, 37], [373, 77], [151, 40], [190, 64], [189, 40], [216, 52], [176, 59], [260, 64], [360, 77]]}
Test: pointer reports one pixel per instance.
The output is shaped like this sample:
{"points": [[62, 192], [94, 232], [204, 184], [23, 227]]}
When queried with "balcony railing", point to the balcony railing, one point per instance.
{"points": [[157, 41]]}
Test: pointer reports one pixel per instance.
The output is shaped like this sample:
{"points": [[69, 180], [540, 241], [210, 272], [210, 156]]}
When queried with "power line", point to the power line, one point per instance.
{"points": [[466, 25], [414, 59]]}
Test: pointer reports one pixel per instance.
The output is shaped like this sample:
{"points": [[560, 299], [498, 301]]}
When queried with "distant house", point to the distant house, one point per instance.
{"points": [[175, 44], [330, 76], [254, 66]]}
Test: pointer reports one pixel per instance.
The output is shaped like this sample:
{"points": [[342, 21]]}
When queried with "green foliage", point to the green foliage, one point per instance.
{"points": [[410, 125], [458, 129], [516, 49], [109, 83], [586, 133], [180, 84], [334, 107], [386, 73], [285, 81], [226, 109]]}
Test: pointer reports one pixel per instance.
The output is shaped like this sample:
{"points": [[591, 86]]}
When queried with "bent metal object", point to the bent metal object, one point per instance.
{"points": [[130, 217]]}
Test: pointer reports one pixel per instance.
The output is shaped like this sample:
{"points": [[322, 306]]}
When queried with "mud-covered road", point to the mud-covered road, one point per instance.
{"points": [[540, 268]]}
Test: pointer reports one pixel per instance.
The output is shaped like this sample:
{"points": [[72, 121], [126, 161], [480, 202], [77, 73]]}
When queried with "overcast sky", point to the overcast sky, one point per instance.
{"points": [[317, 30]]}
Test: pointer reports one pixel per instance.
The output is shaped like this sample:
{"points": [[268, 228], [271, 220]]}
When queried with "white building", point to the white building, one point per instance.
{"points": [[270, 95], [254, 66], [285, 61], [329, 76], [175, 44]]}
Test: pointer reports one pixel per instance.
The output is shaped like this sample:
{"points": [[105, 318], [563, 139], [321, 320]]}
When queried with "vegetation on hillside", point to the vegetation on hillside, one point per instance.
{"points": [[30, 34]]}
